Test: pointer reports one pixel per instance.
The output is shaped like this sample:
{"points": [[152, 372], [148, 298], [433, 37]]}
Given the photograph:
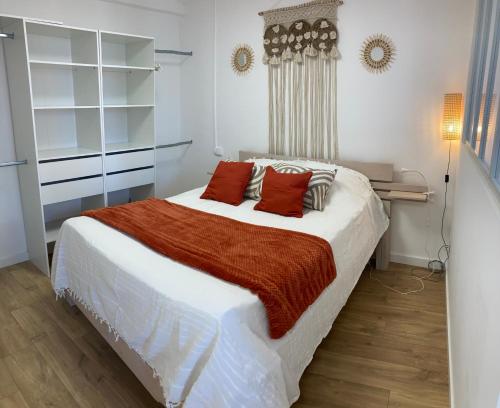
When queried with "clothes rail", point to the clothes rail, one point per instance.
{"points": [[7, 35], [174, 52], [166, 146], [14, 163]]}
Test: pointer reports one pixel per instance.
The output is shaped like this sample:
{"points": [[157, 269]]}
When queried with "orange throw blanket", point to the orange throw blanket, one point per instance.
{"points": [[287, 270]]}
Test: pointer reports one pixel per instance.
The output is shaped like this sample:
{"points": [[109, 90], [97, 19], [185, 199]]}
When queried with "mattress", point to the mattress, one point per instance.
{"points": [[207, 340]]}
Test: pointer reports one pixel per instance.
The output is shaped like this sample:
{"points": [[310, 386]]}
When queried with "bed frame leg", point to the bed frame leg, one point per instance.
{"points": [[69, 300], [383, 251]]}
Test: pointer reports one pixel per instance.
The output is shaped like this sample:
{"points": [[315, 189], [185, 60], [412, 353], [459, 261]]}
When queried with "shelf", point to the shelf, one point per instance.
{"points": [[128, 87], [408, 196], [384, 186], [57, 213], [60, 64], [65, 85], [64, 107], [126, 146], [402, 196], [70, 152], [120, 68], [67, 132], [127, 50], [127, 106], [131, 194], [52, 230], [55, 43], [127, 129]]}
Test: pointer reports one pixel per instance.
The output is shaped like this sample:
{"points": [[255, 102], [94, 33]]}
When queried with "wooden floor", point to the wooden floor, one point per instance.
{"points": [[385, 350]]}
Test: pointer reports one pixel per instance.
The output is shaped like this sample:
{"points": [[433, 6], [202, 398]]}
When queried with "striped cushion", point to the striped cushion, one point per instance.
{"points": [[319, 185], [254, 187]]}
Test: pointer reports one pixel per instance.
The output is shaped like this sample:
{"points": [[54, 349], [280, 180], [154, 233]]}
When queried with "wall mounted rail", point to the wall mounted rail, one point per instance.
{"points": [[167, 146], [14, 163], [175, 52]]}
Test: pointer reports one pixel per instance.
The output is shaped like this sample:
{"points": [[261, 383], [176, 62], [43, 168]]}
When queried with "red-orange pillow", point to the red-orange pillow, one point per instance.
{"points": [[229, 182], [283, 193]]}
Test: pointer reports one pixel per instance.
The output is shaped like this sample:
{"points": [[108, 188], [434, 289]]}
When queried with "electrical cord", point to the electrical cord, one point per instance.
{"points": [[445, 247], [420, 279]]}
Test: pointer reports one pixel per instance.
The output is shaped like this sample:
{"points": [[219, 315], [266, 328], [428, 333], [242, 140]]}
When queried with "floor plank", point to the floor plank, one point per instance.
{"points": [[391, 348], [375, 372], [415, 399], [12, 339], [14, 401], [28, 321], [321, 391], [387, 341], [7, 385], [37, 381], [67, 361], [384, 351]]}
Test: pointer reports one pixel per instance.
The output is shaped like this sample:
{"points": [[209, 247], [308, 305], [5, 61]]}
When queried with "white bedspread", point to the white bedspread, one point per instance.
{"points": [[207, 339]]}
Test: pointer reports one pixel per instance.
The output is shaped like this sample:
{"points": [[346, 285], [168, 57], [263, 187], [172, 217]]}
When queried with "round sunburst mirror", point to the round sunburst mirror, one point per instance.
{"points": [[242, 59], [377, 53]]}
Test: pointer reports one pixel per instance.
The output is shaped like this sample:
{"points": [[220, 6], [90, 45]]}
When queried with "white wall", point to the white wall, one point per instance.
{"points": [[473, 284], [187, 167], [161, 19], [394, 117]]}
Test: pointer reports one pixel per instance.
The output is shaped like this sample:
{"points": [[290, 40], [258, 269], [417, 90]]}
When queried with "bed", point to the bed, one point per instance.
{"points": [[197, 341]]}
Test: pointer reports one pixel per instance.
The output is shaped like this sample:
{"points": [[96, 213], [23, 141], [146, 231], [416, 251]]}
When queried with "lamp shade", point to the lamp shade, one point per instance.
{"points": [[452, 117]]}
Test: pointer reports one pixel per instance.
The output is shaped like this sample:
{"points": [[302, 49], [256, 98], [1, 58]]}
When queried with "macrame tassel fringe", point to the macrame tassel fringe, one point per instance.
{"points": [[275, 60], [298, 58], [334, 54], [310, 51], [313, 53], [265, 59], [323, 55], [288, 54]]}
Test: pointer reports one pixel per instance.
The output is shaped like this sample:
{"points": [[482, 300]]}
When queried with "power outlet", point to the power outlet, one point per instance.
{"points": [[219, 151]]}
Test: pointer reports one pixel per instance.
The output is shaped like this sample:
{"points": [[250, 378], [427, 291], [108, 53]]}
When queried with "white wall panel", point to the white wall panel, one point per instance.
{"points": [[473, 284]]}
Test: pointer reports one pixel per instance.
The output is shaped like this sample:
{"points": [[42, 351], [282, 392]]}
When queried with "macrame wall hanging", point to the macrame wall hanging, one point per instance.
{"points": [[300, 49]]}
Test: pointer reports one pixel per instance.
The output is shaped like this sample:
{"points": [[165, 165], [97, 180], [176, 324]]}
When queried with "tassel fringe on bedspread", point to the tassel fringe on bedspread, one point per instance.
{"points": [[68, 293]]}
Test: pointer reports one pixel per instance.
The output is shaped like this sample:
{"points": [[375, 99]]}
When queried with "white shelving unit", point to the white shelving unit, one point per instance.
{"points": [[83, 114], [127, 66]]}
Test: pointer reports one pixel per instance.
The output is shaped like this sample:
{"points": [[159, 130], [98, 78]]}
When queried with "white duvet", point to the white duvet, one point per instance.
{"points": [[207, 340]]}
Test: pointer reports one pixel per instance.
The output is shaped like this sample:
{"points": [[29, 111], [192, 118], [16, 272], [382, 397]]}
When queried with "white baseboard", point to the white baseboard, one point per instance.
{"points": [[14, 259], [450, 361], [411, 260]]}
